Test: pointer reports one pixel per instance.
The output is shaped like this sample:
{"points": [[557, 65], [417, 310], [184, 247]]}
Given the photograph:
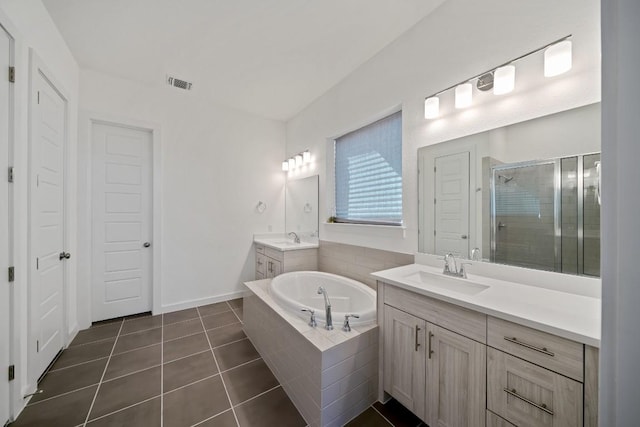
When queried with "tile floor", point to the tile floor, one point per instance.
{"points": [[193, 367]]}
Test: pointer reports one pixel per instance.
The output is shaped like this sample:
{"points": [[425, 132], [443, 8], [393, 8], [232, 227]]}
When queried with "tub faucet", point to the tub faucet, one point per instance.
{"points": [[327, 307], [296, 239]]}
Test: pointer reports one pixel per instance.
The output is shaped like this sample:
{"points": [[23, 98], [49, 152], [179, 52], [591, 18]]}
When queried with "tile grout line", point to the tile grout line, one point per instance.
{"points": [[162, 371], [218, 367], [123, 409], [258, 395], [95, 396], [61, 394], [210, 418]]}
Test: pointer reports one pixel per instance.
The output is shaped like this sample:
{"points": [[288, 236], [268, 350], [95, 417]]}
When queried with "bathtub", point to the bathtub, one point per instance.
{"points": [[330, 376], [297, 290]]}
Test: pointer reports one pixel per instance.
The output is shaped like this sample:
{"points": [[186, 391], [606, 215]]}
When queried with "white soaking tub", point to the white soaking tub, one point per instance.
{"points": [[297, 290]]}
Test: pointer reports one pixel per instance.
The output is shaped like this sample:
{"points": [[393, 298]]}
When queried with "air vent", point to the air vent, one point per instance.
{"points": [[179, 83]]}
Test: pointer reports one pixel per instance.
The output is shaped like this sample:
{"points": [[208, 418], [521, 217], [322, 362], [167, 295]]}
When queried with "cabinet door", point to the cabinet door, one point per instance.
{"points": [[261, 265], [404, 359], [529, 395], [274, 268], [456, 379]]}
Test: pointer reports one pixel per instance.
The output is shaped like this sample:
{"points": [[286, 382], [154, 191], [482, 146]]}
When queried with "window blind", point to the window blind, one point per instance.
{"points": [[368, 173]]}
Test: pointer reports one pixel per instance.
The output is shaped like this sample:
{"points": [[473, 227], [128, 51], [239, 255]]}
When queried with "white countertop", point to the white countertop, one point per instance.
{"points": [[568, 315], [284, 243]]}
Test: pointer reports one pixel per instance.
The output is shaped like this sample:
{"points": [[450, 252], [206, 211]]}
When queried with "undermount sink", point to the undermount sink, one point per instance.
{"points": [[463, 286]]}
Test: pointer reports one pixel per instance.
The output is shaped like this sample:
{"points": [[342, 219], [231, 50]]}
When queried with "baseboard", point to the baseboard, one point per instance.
{"points": [[201, 301], [72, 334]]}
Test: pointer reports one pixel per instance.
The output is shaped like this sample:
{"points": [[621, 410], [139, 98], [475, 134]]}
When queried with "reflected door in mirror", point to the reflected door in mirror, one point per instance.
{"points": [[451, 227]]}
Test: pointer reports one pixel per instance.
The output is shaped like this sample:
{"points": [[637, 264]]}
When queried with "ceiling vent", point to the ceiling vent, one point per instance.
{"points": [[180, 84]]}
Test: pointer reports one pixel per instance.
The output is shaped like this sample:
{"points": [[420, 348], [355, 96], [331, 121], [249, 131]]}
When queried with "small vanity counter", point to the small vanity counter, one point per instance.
{"points": [[283, 243], [278, 253], [565, 314]]}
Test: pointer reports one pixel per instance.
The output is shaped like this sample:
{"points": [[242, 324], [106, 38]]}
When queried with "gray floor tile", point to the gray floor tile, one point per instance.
{"points": [[270, 409], [236, 303], [145, 414], [226, 419], [186, 346], [208, 310], [231, 355], [69, 379], [141, 324], [247, 381], [194, 403], [369, 418], [190, 369], [122, 392], [180, 316], [132, 361], [67, 410], [397, 414], [226, 334], [137, 340], [181, 329], [239, 312], [218, 320], [98, 333], [84, 353]]}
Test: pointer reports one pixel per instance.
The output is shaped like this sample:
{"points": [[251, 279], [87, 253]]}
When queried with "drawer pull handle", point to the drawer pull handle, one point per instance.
{"points": [[532, 347], [430, 351], [542, 406], [417, 343]]}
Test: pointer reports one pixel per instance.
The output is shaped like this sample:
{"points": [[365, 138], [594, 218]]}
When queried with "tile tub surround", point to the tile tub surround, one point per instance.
{"points": [[357, 262], [330, 376], [189, 367]]}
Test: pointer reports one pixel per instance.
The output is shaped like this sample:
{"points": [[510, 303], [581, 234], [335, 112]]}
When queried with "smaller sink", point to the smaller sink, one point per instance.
{"points": [[284, 242], [463, 286]]}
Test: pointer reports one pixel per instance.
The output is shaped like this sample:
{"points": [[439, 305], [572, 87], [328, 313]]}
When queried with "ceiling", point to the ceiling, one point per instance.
{"points": [[268, 57]]}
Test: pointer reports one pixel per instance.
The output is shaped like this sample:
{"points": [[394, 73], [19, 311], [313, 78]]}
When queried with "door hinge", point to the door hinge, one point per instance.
{"points": [[12, 372], [10, 174], [12, 274], [434, 201], [12, 74], [37, 263], [434, 232], [434, 169], [37, 346], [38, 97]]}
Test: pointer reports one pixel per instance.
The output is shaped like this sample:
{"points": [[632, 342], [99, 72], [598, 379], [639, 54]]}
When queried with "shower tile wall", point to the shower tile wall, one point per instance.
{"points": [[357, 262]]}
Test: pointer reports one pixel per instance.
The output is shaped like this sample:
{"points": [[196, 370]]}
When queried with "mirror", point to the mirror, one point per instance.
{"points": [[301, 206], [526, 194]]}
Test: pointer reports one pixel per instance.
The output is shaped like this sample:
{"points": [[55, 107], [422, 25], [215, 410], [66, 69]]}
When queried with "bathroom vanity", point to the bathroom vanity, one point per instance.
{"points": [[276, 255], [484, 351]]}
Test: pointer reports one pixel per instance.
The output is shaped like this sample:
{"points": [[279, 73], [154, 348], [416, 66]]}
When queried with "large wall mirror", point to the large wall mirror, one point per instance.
{"points": [[527, 194], [301, 206]]}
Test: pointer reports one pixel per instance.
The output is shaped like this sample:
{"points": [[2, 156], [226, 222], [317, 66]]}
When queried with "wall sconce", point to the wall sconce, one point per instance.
{"points": [[296, 161], [557, 60]]}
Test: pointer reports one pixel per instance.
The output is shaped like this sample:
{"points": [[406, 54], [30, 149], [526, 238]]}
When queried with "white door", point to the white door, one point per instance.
{"points": [[451, 222], [5, 293], [48, 111], [122, 221]]}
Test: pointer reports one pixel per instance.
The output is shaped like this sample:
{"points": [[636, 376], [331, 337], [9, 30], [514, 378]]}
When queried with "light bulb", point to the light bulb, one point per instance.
{"points": [[504, 79], [557, 59], [292, 163], [306, 157], [285, 166], [298, 160], [464, 95], [431, 107]]}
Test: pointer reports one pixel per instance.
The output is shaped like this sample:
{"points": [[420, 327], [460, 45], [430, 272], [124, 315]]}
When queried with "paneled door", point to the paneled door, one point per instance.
{"points": [[5, 293], [451, 178], [47, 238], [122, 221]]}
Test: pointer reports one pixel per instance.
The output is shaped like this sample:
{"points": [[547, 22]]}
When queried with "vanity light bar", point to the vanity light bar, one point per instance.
{"points": [[557, 60], [296, 161]]}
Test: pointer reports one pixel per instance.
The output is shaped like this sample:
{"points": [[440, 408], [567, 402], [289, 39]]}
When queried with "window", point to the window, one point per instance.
{"points": [[368, 173]]}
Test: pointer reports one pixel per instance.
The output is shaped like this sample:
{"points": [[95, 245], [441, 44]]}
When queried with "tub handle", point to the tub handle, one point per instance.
{"points": [[346, 326], [312, 319]]}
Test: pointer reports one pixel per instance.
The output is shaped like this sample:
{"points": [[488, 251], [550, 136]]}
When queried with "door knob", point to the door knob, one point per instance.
{"points": [[146, 244], [65, 255], [464, 237]]}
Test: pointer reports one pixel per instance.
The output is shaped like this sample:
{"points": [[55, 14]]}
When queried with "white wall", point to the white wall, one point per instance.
{"points": [[31, 26], [459, 40], [620, 349], [217, 163]]}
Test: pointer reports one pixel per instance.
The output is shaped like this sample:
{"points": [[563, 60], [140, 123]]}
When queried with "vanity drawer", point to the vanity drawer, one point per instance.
{"points": [[466, 322], [273, 253], [528, 395], [261, 262], [550, 351], [259, 248]]}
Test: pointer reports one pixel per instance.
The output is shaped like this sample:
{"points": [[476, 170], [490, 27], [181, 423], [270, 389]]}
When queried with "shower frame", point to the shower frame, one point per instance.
{"points": [[557, 205]]}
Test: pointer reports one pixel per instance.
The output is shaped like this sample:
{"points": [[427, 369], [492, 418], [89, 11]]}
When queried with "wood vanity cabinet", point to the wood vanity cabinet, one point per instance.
{"points": [[453, 366], [272, 262], [436, 373]]}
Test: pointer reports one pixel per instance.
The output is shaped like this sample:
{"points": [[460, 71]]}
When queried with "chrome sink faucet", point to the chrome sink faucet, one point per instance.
{"points": [[327, 307], [296, 239], [450, 259]]}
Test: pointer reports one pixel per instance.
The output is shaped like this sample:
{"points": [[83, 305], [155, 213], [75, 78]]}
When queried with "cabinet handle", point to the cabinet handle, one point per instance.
{"points": [[541, 406], [417, 343], [529, 346], [430, 351]]}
